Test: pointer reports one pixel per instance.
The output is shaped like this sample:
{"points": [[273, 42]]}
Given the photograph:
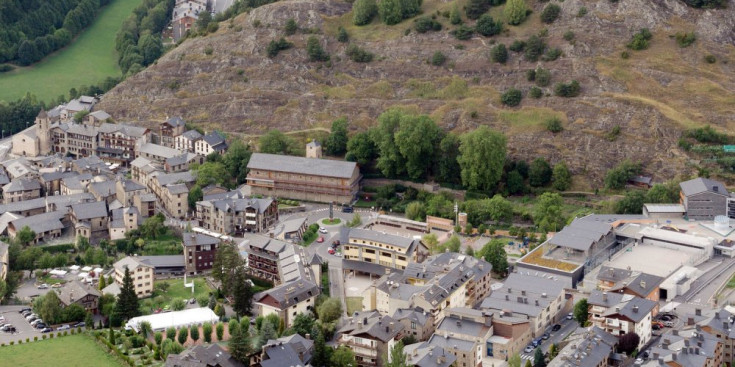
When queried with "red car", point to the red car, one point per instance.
{"points": [[320, 239], [331, 251]]}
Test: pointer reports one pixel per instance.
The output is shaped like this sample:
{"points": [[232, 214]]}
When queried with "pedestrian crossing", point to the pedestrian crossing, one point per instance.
{"points": [[527, 357]]}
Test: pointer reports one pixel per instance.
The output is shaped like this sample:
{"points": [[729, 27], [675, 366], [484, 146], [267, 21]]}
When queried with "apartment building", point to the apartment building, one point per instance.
{"points": [[182, 162], [292, 350], [687, 348], [591, 347], [199, 251], [539, 299], [21, 189], [75, 292], [287, 300], [264, 257], [425, 355], [146, 204], [370, 336], [619, 314], [140, 270], [310, 179], [123, 220], [720, 324], [73, 139], [703, 198], [416, 322], [630, 282], [91, 220], [386, 250], [169, 130], [470, 326], [185, 142], [235, 213], [213, 142], [156, 153], [117, 142], [127, 190]]}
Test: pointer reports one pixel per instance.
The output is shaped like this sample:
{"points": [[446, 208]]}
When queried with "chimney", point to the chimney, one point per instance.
{"points": [[698, 311], [308, 336], [643, 284], [364, 321], [673, 356], [617, 309], [509, 289], [604, 296], [523, 293], [725, 325], [717, 315], [537, 303], [387, 329], [676, 332], [507, 298], [685, 350], [635, 309]]}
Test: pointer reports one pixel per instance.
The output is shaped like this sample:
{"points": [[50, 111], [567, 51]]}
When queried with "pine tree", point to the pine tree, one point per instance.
{"points": [[239, 346], [102, 284], [127, 301], [320, 358], [397, 356]]}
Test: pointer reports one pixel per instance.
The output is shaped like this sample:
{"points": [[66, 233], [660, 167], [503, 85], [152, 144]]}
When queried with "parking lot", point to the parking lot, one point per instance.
{"points": [[24, 329]]}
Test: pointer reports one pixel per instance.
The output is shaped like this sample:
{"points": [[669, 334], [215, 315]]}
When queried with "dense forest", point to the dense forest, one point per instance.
{"points": [[32, 29], [138, 42]]}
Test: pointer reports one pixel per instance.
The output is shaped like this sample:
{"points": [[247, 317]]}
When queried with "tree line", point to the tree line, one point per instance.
{"points": [[138, 42], [32, 29]]}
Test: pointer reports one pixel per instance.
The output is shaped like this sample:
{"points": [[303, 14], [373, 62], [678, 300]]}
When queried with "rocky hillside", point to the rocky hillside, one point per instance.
{"points": [[225, 80]]}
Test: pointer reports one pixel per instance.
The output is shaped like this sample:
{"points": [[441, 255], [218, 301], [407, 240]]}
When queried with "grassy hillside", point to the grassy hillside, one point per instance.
{"points": [[88, 60]]}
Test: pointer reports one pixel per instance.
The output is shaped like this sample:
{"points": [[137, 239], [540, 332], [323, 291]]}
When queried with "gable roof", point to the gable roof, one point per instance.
{"points": [[74, 291], [21, 184], [95, 209], [700, 185], [203, 356], [289, 293], [372, 325], [301, 165], [175, 121], [198, 239]]}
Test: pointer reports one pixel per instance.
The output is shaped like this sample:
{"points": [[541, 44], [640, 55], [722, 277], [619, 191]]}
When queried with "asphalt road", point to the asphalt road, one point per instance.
{"points": [[555, 337], [704, 289]]}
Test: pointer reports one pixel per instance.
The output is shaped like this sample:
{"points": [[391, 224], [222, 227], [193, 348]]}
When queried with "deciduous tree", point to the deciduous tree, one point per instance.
{"points": [[481, 159]]}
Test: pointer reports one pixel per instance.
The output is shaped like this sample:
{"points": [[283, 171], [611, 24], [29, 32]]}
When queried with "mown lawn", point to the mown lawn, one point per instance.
{"points": [[88, 60], [176, 288], [71, 350]]}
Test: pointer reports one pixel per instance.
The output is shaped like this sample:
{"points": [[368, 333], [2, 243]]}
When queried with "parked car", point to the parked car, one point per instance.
{"points": [[529, 349], [47, 330], [57, 285], [11, 329], [335, 244], [63, 327], [556, 327], [26, 313], [545, 336], [656, 327], [331, 251], [6, 327], [79, 324], [36, 322], [669, 323], [323, 230], [31, 318], [536, 342], [320, 239], [570, 315], [27, 309], [666, 318], [43, 286], [347, 209], [41, 326]]}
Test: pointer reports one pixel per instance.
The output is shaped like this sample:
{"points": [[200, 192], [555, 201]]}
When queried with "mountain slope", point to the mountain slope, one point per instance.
{"points": [[652, 95]]}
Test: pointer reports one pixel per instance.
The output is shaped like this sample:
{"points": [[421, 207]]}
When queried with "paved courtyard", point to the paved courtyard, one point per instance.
{"points": [[651, 259]]}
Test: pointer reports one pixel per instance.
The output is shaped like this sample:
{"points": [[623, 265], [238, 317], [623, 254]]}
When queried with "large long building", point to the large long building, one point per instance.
{"points": [[310, 179], [387, 250]]}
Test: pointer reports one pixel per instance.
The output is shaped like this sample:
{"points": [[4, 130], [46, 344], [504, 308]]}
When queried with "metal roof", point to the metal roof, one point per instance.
{"points": [[301, 165], [700, 185]]}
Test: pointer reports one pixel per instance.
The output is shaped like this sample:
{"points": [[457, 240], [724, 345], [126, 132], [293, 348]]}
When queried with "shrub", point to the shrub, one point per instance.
{"points": [[274, 47], [571, 89], [710, 59], [315, 51], [614, 133], [569, 36], [512, 97], [515, 11], [363, 11], [535, 92], [170, 333], [550, 13], [342, 35], [554, 125], [517, 46], [487, 26], [499, 53], [208, 50], [531, 75], [625, 55], [357, 54], [534, 48], [43, 336], [212, 27], [4, 68], [582, 12], [35, 338], [454, 16], [685, 39], [640, 40], [291, 27], [438, 58], [462, 32], [552, 54], [426, 24], [390, 11], [543, 77]]}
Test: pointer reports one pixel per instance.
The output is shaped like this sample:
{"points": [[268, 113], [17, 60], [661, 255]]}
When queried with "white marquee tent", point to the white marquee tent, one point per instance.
{"points": [[176, 319]]}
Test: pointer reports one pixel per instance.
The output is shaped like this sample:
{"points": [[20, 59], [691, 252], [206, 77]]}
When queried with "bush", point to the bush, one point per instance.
{"points": [[342, 35], [530, 75], [315, 51], [487, 26], [35, 338], [363, 11], [515, 11], [624, 55], [274, 47], [552, 54], [4, 68], [499, 53], [554, 125], [569, 36], [462, 32], [291, 27], [512, 97], [426, 24], [390, 11], [357, 54], [208, 50], [571, 89], [438, 59], [535, 92], [685, 39], [543, 77], [640, 40], [550, 13], [710, 59], [535, 47], [582, 12], [517, 46]]}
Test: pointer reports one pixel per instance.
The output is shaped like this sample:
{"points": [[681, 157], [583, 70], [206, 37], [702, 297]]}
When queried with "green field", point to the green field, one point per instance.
{"points": [[72, 350], [88, 60]]}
